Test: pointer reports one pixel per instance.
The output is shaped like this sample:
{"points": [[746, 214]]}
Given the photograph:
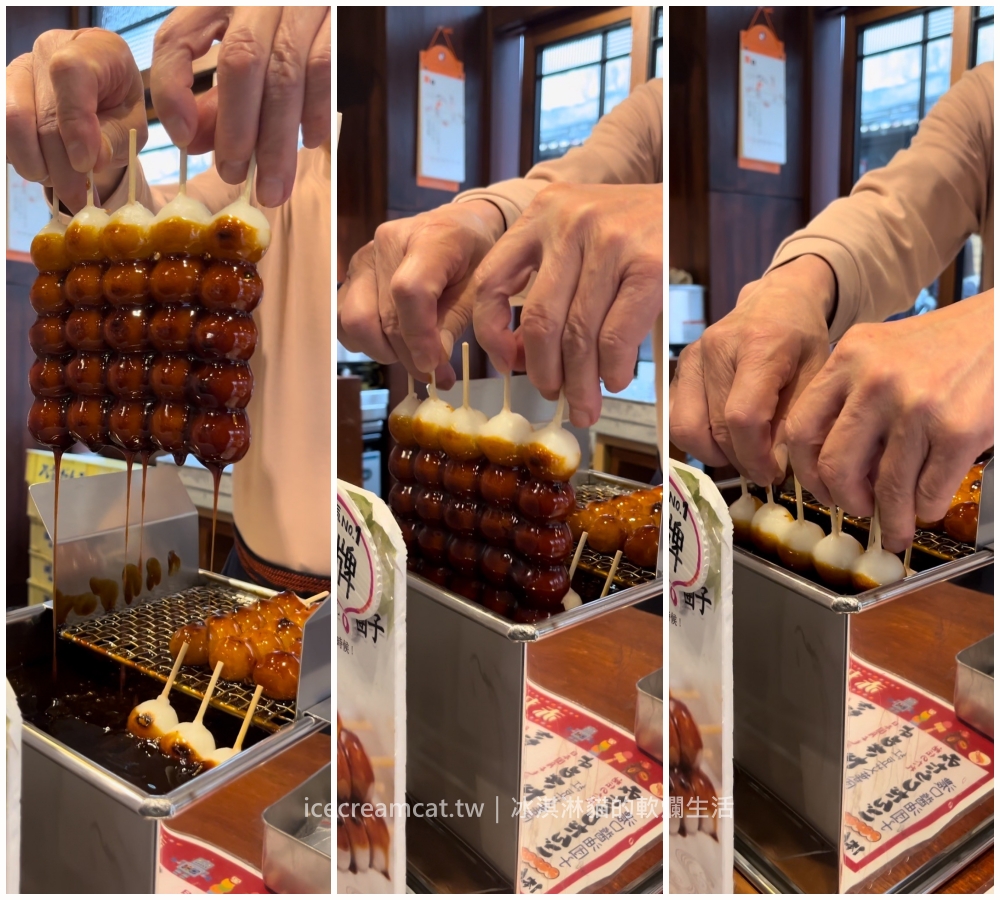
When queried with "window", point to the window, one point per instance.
{"points": [[577, 82], [136, 24], [657, 47], [905, 67], [982, 32]]}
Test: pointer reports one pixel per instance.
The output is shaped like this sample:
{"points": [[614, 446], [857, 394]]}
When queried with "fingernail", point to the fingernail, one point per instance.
{"points": [[271, 192], [447, 342], [232, 172], [77, 153]]}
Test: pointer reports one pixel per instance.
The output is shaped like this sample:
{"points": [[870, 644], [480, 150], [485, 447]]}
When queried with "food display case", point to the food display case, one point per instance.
{"points": [[471, 679], [809, 665], [93, 796]]}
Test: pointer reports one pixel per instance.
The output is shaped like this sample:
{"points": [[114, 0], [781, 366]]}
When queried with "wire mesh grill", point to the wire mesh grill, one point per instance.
{"points": [[139, 637], [937, 545], [628, 574]]}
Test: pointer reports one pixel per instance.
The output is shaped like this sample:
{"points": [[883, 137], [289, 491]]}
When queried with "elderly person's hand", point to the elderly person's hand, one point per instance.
{"points": [[70, 105], [406, 293], [898, 414], [273, 75], [734, 386], [598, 251]]}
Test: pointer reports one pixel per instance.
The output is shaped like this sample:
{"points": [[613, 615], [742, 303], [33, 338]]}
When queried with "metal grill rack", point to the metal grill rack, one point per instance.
{"points": [[139, 637], [940, 546], [628, 574]]}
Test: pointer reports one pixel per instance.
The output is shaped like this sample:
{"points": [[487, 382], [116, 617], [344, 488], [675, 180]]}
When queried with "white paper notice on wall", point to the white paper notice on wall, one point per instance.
{"points": [[441, 118], [762, 141]]}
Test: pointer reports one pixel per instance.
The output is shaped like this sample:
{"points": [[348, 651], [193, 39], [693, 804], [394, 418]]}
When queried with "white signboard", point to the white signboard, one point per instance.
{"points": [[762, 108], [441, 130]]}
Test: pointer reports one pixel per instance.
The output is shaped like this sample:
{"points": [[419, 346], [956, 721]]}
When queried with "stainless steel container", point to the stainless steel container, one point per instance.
{"points": [[649, 714], [293, 864], [793, 645], [974, 686], [467, 673]]}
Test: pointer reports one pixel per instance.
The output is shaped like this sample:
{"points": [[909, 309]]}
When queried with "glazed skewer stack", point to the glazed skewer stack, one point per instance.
{"points": [[483, 503]]}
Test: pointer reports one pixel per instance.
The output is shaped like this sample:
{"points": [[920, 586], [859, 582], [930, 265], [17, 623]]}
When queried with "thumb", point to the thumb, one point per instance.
{"points": [[98, 97]]}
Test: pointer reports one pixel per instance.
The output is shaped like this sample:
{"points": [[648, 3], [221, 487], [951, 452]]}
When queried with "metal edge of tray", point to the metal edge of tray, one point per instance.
{"points": [[524, 632], [157, 806], [854, 603], [272, 828]]}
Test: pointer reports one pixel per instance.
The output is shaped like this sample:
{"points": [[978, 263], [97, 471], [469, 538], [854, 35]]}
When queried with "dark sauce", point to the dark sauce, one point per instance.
{"points": [[86, 707]]}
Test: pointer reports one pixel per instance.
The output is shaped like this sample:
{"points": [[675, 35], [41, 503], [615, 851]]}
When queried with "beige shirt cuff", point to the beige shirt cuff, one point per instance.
{"points": [[844, 269]]}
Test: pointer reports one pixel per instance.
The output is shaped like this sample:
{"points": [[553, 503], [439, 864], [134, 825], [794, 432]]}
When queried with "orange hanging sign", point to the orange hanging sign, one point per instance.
{"points": [[441, 116], [762, 135]]}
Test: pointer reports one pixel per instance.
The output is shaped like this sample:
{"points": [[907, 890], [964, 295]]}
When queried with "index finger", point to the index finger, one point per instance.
{"points": [[23, 152], [809, 422], [185, 35]]}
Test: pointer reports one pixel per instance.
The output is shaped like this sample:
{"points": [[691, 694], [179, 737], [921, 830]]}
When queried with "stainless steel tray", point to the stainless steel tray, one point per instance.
{"points": [[291, 864], [974, 686], [649, 714]]}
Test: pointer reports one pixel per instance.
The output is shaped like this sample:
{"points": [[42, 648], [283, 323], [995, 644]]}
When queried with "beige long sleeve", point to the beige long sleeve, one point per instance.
{"points": [[282, 488], [905, 222], [625, 147]]}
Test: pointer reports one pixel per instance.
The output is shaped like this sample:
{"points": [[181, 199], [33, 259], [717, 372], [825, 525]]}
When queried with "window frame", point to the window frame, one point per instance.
{"points": [[536, 40], [654, 41], [978, 22]]}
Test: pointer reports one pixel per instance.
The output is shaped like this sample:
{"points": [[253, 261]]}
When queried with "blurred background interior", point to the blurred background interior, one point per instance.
{"points": [[537, 79], [858, 82]]}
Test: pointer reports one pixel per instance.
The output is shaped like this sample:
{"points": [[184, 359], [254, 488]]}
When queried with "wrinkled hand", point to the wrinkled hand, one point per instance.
{"points": [[733, 387], [405, 296], [70, 105], [898, 414], [273, 75], [598, 251]]}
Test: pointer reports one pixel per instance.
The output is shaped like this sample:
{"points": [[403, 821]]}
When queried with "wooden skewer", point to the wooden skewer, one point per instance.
{"points": [[798, 499], [184, 172], [315, 598], [247, 719], [875, 534], [432, 388], [577, 555], [560, 409], [744, 490], [173, 672], [611, 574], [131, 165], [770, 494], [208, 693], [90, 188], [409, 384], [251, 171], [838, 520], [465, 374], [906, 559], [506, 392]]}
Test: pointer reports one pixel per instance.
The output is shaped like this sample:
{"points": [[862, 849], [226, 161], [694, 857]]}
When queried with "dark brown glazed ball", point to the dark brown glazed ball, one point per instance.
{"points": [[499, 485], [226, 287], [401, 463], [546, 501], [414, 564], [496, 525], [440, 575], [220, 436], [47, 297], [643, 546], [461, 477], [433, 542], [47, 337], [526, 616], [46, 378], [221, 385], [466, 586], [464, 553], [126, 330], [85, 330], [129, 425], [428, 467], [168, 425], [403, 500], [48, 252], [128, 376], [169, 377], [83, 286], [543, 587], [498, 600], [430, 505], [495, 564], [47, 423], [88, 421], [232, 239], [126, 283], [409, 529], [549, 544], [461, 516], [225, 336], [176, 279], [171, 328], [86, 374]]}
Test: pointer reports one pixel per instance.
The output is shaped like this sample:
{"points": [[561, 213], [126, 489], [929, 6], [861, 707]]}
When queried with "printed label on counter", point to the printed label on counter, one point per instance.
{"points": [[699, 566], [592, 798], [911, 764], [187, 865]]}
